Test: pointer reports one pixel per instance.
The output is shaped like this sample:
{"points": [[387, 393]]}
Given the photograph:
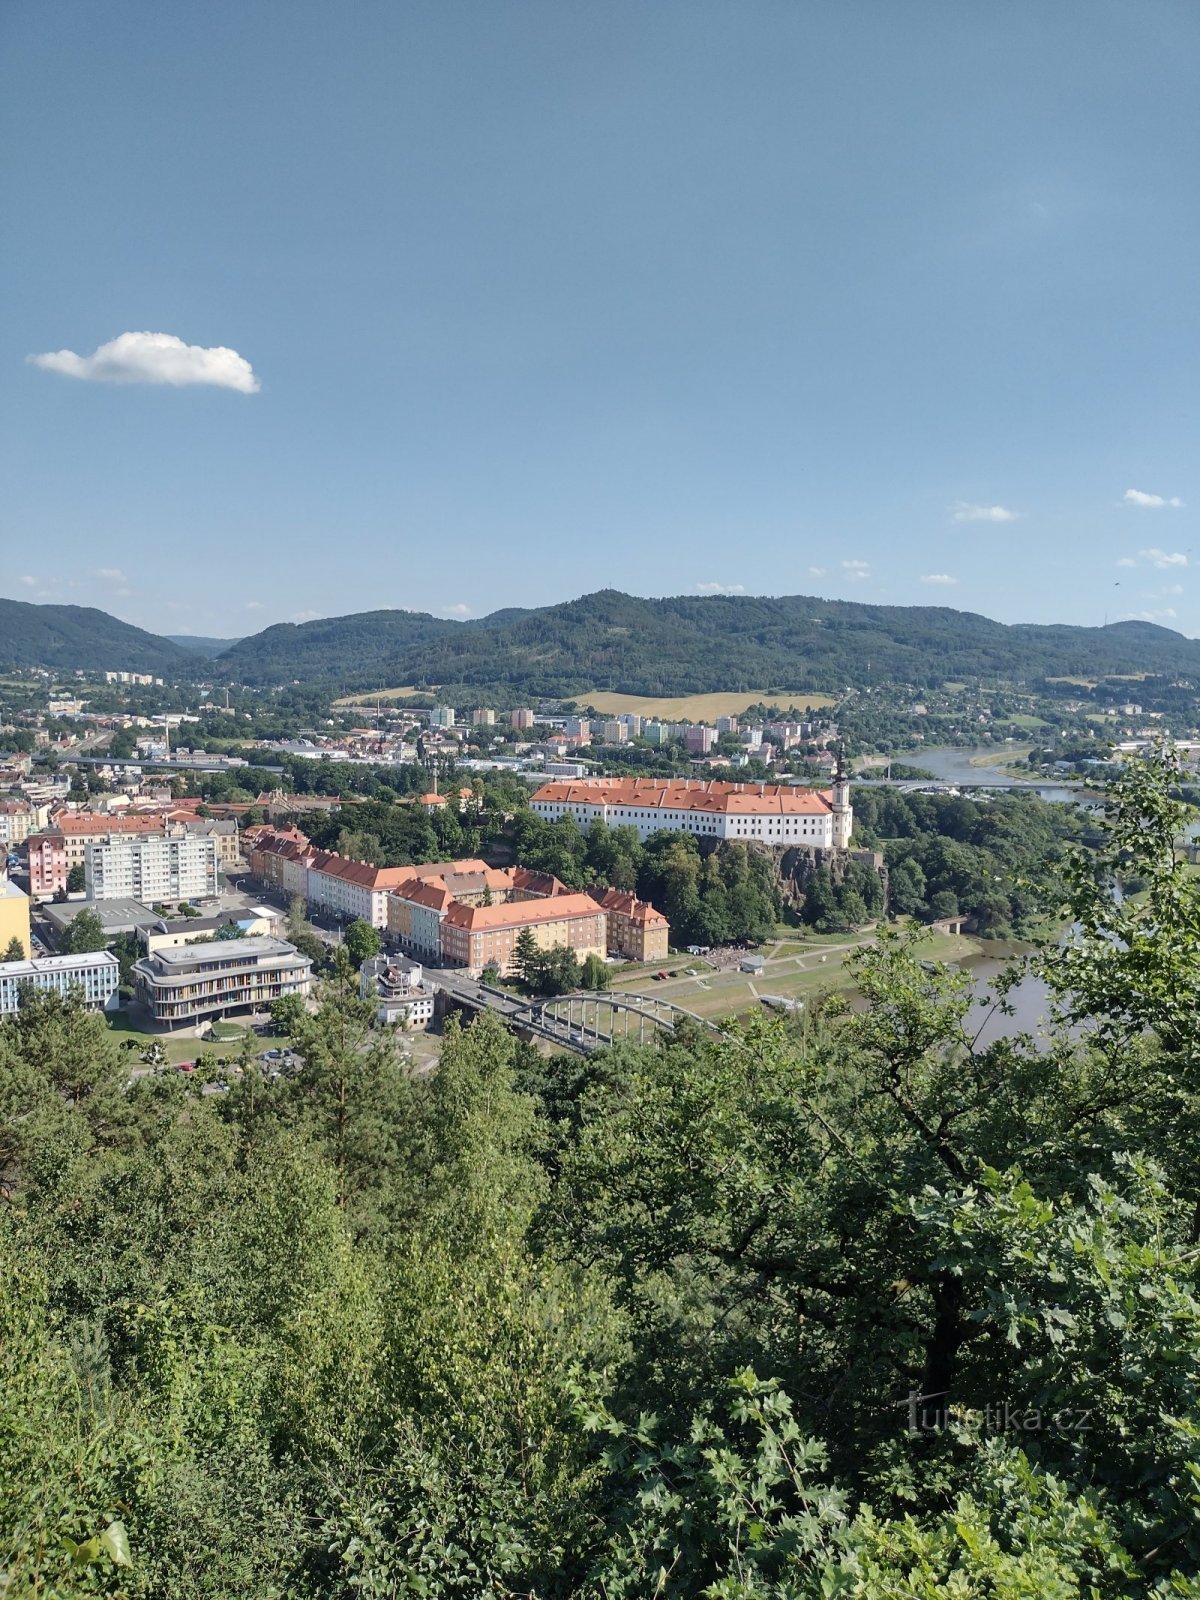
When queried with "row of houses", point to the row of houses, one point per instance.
{"points": [[460, 913]]}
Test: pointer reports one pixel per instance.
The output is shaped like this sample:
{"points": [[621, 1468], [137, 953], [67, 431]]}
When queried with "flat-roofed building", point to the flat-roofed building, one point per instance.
{"points": [[14, 916], [173, 867], [637, 931], [158, 933], [115, 916], [191, 983], [769, 813], [476, 937], [93, 979]]}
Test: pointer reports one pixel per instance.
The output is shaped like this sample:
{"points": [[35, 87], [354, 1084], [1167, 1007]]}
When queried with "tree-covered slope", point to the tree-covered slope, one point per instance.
{"points": [[684, 645], [80, 636]]}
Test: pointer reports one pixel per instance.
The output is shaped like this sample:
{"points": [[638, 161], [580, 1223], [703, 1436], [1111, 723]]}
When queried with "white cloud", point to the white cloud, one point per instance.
{"points": [[30, 583], [1166, 614], [720, 588], [155, 358], [305, 616], [1127, 561], [856, 571], [1151, 502], [460, 610], [961, 511], [1162, 559], [110, 575], [254, 605], [938, 577], [817, 572]]}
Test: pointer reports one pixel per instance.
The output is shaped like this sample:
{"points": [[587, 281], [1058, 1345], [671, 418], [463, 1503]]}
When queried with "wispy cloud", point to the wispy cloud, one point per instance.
{"points": [[1163, 559], [459, 610], [938, 577], [720, 588], [856, 571], [962, 511], [254, 605], [1127, 561], [1151, 502], [305, 616], [110, 575], [155, 358], [30, 583], [1164, 615], [817, 572]]}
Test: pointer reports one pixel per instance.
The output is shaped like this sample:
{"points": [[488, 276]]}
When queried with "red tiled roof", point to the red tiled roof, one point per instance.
{"points": [[685, 794], [624, 904], [520, 913]]}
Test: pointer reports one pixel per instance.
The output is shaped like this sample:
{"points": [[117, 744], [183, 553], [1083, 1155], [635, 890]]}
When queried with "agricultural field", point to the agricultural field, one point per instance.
{"points": [[365, 697], [700, 707]]}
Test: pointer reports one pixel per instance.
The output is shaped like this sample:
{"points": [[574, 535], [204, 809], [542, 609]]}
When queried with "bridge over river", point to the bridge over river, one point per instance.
{"points": [[577, 1022]]}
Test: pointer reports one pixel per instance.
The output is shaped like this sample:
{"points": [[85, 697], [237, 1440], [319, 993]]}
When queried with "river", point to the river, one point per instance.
{"points": [[953, 764]]}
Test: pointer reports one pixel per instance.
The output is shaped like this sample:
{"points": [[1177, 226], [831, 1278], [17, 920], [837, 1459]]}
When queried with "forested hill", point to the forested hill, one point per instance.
{"points": [[614, 641], [685, 645], [67, 637]]}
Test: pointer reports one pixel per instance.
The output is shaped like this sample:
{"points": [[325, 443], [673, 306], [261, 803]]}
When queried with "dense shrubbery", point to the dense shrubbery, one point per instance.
{"points": [[999, 862]]}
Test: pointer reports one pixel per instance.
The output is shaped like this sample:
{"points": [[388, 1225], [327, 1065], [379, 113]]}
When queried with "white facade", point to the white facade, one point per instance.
{"points": [[823, 819], [165, 867], [342, 895], [93, 979]]}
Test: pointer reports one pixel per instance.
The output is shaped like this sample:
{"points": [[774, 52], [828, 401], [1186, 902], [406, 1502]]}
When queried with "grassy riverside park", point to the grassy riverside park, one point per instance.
{"points": [[796, 966]]}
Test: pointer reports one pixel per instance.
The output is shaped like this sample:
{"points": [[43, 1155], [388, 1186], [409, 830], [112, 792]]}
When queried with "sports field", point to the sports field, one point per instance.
{"points": [[700, 707]]}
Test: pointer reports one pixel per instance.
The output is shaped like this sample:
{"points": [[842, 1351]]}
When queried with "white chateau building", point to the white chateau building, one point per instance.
{"points": [[772, 813]]}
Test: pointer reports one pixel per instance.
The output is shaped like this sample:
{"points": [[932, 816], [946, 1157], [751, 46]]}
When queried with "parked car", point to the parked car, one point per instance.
{"points": [[659, 975], [185, 1066]]}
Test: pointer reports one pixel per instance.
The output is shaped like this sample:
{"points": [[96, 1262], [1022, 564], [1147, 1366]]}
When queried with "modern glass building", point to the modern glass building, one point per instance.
{"points": [[189, 983]]}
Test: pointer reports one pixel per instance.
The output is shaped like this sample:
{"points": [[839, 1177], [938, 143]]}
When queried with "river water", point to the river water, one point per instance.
{"points": [[953, 764]]}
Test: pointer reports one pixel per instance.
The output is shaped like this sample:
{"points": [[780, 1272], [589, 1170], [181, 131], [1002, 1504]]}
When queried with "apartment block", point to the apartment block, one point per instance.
{"points": [[636, 931], [198, 982], [179, 866], [522, 718], [47, 864], [476, 937], [483, 717], [93, 980]]}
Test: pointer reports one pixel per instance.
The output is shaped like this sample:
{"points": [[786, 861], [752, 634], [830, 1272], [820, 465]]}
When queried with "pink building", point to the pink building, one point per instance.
{"points": [[47, 864]]}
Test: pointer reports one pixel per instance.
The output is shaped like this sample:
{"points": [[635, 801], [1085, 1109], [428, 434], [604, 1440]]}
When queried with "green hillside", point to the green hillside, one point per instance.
{"points": [[66, 637], [618, 642]]}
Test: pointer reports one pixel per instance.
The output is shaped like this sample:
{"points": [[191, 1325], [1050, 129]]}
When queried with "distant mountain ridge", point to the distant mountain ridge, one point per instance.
{"points": [[615, 642], [693, 645]]}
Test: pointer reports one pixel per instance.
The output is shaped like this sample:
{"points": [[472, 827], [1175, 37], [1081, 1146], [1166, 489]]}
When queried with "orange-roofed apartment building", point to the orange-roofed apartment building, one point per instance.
{"points": [[476, 937], [81, 828], [418, 908], [771, 813], [637, 931]]}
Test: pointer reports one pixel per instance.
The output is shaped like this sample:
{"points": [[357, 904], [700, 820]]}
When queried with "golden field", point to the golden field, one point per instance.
{"points": [[699, 707]]}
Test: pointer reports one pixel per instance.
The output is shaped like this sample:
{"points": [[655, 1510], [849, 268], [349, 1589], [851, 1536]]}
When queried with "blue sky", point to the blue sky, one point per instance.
{"points": [[523, 300]]}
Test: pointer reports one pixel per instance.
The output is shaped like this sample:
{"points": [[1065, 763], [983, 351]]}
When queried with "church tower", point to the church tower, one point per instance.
{"points": [[843, 814]]}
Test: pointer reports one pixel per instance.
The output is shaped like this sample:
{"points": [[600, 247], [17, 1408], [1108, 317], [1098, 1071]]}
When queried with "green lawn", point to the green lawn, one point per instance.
{"points": [[186, 1047]]}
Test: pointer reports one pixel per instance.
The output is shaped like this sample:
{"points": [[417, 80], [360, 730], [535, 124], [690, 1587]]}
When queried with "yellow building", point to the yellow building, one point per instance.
{"points": [[14, 919]]}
